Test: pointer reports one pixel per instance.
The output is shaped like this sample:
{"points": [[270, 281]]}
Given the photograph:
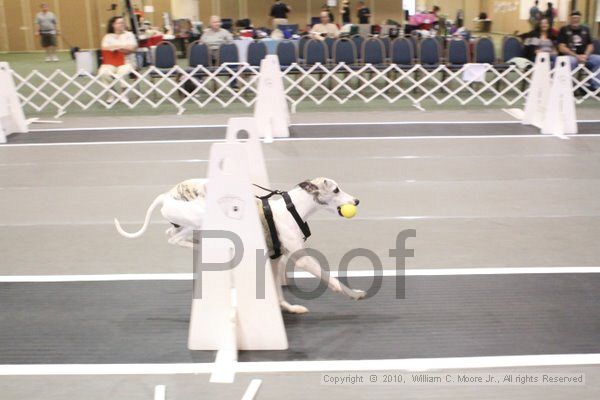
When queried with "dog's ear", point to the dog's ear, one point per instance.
{"points": [[308, 186], [328, 185]]}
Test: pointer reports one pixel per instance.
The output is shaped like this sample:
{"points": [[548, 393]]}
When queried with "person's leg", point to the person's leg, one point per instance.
{"points": [[123, 72], [574, 62], [52, 48], [105, 74], [593, 64], [45, 45]]}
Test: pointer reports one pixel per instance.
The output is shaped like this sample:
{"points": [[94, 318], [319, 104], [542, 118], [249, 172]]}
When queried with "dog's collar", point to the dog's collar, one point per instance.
{"points": [[289, 204]]}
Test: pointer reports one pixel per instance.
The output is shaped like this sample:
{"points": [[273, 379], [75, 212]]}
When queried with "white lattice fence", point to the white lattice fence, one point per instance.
{"points": [[182, 89]]}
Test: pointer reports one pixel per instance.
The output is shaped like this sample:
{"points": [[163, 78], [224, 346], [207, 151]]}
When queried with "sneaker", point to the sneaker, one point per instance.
{"points": [[55, 58], [48, 59], [110, 99]]}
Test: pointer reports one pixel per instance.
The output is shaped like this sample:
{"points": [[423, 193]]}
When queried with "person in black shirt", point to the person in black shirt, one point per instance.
{"points": [[550, 14], [363, 13], [345, 11], [575, 41], [279, 12]]}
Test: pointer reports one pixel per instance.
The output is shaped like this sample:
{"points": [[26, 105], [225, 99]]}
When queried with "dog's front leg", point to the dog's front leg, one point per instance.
{"points": [[285, 306], [310, 265]]}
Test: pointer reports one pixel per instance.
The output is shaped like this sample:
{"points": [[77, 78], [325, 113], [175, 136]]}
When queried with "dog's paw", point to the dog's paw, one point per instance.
{"points": [[358, 294], [293, 308]]}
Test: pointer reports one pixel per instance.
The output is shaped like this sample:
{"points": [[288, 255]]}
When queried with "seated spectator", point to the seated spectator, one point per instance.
{"points": [[575, 41], [542, 40], [118, 52], [215, 36], [325, 28]]}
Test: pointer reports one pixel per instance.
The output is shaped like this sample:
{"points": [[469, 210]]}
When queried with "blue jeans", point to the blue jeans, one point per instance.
{"points": [[593, 64]]}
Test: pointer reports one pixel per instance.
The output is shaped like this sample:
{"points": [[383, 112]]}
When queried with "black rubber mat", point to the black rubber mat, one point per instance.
{"points": [[441, 316], [299, 131]]}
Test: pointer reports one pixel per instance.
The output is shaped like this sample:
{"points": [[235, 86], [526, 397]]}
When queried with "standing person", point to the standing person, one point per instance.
{"points": [[118, 53], [345, 11], [534, 15], [550, 14], [46, 28], [363, 13], [279, 12], [575, 41]]}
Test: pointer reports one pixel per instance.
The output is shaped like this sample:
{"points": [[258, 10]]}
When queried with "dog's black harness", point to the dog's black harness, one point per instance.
{"points": [[303, 225]]}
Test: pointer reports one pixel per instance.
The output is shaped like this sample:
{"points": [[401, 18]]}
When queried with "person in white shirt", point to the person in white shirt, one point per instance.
{"points": [[122, 44], [325, 28]]}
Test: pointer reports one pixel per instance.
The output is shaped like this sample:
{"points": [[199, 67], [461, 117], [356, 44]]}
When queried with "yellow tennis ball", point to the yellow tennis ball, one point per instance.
{"points": [[348, 210]]}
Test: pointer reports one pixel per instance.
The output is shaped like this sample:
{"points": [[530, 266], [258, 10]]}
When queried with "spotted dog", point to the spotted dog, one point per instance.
{"points": [[184, 207]]}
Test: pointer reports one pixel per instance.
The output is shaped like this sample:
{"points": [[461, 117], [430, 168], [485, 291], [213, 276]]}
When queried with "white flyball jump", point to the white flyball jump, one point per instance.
{"points": [[537, 99], [234, 308], [253, 148], [550, 104], [12, 119], [561, 118], [271, 108]]}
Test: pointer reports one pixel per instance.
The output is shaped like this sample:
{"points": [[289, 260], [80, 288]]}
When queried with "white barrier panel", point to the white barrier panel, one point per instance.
{"points": [[220, 320], [12, 119], [253, 149], [271, 109], [560, 110], [256, 161], [537, 99]]}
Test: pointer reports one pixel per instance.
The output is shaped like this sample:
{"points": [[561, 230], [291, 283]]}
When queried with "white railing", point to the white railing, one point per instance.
{"points": [[183, 89]]}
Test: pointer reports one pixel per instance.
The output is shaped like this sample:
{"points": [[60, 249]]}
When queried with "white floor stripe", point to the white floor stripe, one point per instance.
{"points": [[299, 139], [408, 364], [252, 390], [303, 275], [160, 392], [192, 126]]}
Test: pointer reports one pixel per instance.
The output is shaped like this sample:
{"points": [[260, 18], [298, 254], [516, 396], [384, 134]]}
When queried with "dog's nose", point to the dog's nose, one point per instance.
{"points": [[356, 202]]}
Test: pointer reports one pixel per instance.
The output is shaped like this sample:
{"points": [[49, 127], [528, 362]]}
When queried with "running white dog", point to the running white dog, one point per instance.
{"points": [[184, 207]]}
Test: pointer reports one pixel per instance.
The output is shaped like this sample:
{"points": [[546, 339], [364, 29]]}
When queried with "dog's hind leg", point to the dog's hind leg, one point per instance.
{"points": [[285, 306], [182, 238]]}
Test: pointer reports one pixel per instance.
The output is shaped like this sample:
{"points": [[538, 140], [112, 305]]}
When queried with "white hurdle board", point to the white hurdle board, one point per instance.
{"points": [[226, 313], [12, 119], [271, 108], [256, 161], [253, 149], [561, 118], [537, 99]]}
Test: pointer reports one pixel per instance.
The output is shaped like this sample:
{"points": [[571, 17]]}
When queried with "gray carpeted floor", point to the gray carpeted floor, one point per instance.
{"points": [[443, 316], [299, 131]]}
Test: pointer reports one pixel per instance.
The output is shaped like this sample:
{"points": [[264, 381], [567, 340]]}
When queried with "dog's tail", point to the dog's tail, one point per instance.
{"points": [[157, 201]]}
